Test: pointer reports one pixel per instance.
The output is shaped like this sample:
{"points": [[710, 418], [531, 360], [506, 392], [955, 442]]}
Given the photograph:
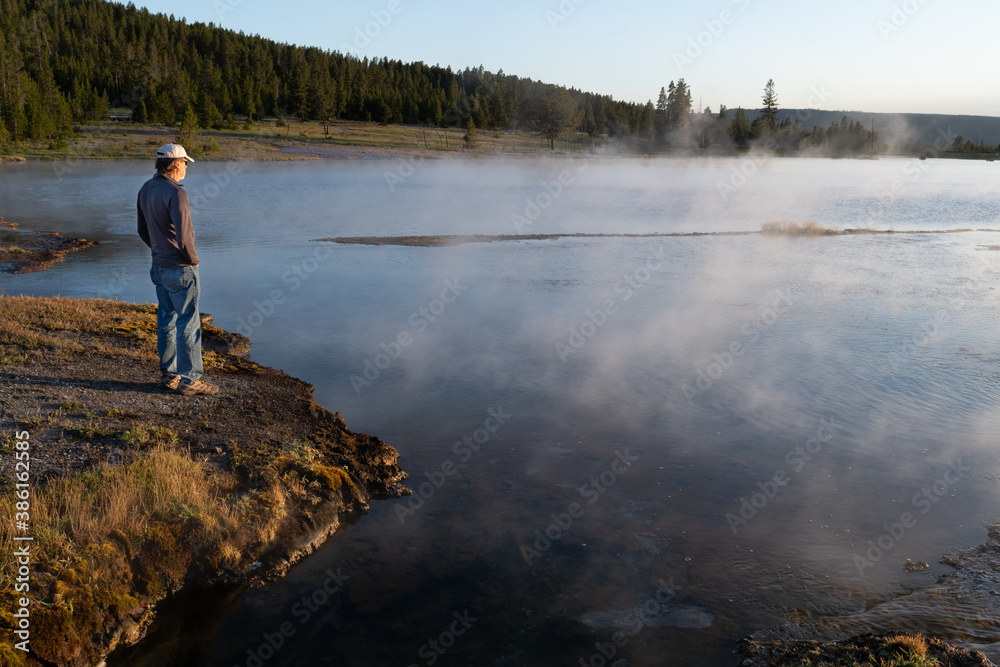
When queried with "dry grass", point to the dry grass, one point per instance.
{"points": [[141, 435], [33, 328], [912, 646], [106, 538], [796, 229], [268, 140], [18, 313], [71, 513], [162, 483], [110, 538], [890, 651], [92, 505]]}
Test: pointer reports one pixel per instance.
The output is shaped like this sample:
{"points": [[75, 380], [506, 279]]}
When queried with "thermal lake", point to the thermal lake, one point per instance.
{"points": [[638, 448]]}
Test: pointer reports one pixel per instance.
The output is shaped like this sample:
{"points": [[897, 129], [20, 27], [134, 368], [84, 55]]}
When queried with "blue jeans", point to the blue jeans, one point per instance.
{"points": [[177, 293]]}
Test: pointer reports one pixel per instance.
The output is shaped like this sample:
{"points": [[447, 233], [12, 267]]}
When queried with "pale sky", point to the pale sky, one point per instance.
{"points": [[918, 56]]}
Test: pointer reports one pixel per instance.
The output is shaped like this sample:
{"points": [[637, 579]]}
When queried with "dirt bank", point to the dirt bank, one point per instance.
{"points": [[25, 252], [136, 491], [962, 608], [897, 650]]}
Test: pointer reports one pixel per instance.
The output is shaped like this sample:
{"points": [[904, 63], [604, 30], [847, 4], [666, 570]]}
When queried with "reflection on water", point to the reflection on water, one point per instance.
{"points": [[664, 443]]}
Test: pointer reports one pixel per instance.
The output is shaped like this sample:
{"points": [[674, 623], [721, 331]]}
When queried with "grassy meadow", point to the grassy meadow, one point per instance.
{"points": [[291, 139]]}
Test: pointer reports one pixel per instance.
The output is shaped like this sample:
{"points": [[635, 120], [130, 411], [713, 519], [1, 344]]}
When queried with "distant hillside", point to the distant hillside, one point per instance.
{"points": [[66, 61], [902, 129], [63, 62]]}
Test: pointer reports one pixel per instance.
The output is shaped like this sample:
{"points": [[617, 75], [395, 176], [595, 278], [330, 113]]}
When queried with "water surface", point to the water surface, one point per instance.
{"points": [[672, 442]]}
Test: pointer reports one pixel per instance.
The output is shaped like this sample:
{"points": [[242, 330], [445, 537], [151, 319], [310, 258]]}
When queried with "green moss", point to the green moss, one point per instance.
{"points": [[86, 616], [92, 431], [43, 419], [142, 308], [300, 462], [262, 505], [60, 588], [251, 458], [334, 478], [147, 434], [52, 632], [10, 357], [83, 567], [69, 575], [211, 329], [162, 559], [122, 539], [122, 604], [11, 657], [137, 329]]}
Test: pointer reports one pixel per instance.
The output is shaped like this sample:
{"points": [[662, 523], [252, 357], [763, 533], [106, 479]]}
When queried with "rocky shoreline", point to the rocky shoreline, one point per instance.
{"points": [[886, 649], [962, 606], [232, 488], [25, 252]]}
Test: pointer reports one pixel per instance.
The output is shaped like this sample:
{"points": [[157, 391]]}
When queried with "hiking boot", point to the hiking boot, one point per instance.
{"points": [[170, 382], [196, 388]]}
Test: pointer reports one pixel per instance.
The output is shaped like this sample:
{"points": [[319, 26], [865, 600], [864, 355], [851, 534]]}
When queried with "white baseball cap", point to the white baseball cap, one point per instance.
{"points": [[173, 151]]}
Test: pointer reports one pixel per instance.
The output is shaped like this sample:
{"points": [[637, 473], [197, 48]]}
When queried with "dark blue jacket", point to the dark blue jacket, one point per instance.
{"points": [[165, 223]]}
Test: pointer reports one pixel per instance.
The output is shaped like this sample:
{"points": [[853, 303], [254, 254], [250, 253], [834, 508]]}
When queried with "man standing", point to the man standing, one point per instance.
{"points": [[165, 226]]}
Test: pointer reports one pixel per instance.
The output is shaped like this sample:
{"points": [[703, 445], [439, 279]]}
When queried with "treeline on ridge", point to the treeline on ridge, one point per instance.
{"points": [[69, 61], [65, 61]]}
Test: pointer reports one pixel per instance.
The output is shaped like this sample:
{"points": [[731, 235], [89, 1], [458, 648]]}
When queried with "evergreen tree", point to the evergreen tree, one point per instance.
{"points": [[818, 138], [647, 122], [662, 108], [208, 114], [102, 107], [555, 115], [161, 109], [678, 105], [589, 125], [189, 135], [769, 113], [251, 111], [71, 63], [40, 124], [470, 138], [720, 132], [740, 131]]}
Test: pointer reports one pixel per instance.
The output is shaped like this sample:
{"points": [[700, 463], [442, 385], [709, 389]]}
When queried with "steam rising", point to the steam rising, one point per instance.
{"points": [[712, 359]]}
